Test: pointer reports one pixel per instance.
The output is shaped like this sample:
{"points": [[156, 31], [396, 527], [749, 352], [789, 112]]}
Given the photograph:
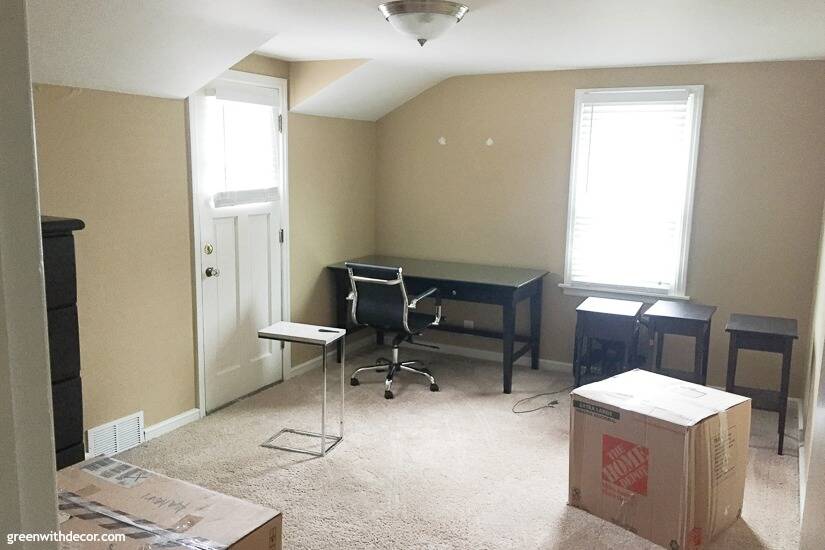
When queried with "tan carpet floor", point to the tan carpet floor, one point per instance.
{"points": [[453, 469]]}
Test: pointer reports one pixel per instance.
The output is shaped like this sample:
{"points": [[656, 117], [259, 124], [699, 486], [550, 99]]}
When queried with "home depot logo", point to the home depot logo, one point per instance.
{"points": [[624, 464]]}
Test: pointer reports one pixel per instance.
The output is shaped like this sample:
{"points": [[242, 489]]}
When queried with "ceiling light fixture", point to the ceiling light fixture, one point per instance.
{"points": [[423, 19]]}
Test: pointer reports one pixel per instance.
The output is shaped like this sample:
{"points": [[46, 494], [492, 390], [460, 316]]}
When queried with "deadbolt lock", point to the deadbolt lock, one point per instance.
{"points": [[212, 272], [208, 248]]}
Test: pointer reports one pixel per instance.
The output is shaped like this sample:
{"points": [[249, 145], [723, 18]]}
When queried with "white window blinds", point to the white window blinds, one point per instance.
{"points": [[632, 174]]}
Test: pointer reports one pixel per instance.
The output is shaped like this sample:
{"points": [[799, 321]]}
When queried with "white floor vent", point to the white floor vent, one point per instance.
{"points": [[116, 436]]}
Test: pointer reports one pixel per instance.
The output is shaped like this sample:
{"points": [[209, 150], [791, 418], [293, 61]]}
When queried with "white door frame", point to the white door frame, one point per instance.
{"points": [[197, 264], [27, 455]]}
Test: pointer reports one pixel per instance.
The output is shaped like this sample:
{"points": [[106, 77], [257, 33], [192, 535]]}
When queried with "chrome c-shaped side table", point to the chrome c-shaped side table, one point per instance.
{"points": [[318, 336]]}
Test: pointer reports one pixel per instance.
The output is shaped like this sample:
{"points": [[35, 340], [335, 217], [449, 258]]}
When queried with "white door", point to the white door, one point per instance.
{"points": [[238, 175]]}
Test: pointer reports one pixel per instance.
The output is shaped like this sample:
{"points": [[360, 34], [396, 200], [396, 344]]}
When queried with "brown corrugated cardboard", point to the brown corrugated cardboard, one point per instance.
{"points": [[105, 495], [663, 458]]}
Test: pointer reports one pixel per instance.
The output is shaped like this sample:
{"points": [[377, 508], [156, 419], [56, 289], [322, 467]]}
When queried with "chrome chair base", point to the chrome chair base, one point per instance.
{"points": [[392, 368]]}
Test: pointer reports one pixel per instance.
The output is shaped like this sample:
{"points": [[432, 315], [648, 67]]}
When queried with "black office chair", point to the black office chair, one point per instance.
{"points": [[379, 300]]}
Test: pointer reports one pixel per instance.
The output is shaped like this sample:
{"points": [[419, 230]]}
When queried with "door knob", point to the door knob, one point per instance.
{"points": [[212, 272]]}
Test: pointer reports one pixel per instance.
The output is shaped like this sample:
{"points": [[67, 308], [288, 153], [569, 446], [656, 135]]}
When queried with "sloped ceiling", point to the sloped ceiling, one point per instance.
{"points": [[171, 48], [165, 48]]}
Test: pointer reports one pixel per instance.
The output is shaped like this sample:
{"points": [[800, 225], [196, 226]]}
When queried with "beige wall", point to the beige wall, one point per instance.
{"points": [[757, 209], [332, 208], [118, 162], [309, 77], [259, 64]]}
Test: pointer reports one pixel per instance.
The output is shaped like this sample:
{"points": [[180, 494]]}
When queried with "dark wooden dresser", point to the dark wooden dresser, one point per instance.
{"points": [[64, 340]]}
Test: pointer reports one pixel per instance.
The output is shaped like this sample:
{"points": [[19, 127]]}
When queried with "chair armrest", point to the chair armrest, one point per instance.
{"points": [[425, 294]]}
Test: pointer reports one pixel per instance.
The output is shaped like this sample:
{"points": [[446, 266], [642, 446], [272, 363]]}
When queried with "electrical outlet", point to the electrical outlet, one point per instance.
{"points": [[468, 324]]}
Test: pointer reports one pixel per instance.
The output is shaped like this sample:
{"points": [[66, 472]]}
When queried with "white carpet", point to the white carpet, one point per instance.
{"points": [[453, 469]]}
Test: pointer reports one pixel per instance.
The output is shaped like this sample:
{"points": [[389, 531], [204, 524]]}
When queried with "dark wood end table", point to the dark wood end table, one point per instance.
{"points": [[684, 319], [609, 320], [771, 334]]}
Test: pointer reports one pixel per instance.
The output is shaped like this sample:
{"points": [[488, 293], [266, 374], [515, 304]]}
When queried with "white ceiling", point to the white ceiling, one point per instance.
{"points": [[171, 48]]}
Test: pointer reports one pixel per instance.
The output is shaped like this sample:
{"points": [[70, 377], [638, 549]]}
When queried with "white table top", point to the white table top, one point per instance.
{"points": [[302, 333]]}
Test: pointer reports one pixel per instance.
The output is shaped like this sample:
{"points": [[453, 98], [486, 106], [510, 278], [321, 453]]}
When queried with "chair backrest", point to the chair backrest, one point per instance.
{"points": [[379, 297]]}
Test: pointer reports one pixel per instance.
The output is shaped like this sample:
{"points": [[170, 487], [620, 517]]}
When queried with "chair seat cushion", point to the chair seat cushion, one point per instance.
{"points": [[419, 321]]}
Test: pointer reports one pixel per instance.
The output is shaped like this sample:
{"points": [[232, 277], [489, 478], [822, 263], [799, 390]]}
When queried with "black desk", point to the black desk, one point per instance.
{"points": [[498, 285], [685, 319], [771, 334]]}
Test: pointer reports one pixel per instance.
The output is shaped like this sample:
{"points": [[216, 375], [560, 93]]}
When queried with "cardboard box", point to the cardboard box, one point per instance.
{"points": [[663, 458], [105, 495]]}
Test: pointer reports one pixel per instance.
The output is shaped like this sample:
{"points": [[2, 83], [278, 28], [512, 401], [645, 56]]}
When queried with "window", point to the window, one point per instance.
{"points": [[631, 189], [245, 143]]}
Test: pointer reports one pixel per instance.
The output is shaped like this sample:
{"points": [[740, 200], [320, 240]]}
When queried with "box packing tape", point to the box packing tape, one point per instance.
{"points": [[131, 526]]}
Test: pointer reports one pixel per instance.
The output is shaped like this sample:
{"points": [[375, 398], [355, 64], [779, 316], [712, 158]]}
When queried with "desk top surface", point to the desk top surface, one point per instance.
{"points": [[672, 309], [301, 333], [454, 271], [776, 326]]}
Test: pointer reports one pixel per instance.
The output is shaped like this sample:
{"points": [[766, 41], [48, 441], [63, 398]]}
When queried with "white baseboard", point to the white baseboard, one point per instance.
{"points": [[495, 356], [166, 426], [315, 362]]}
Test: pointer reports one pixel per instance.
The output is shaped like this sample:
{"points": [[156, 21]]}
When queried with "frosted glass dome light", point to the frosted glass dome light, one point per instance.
{"points": [[423, 19]]}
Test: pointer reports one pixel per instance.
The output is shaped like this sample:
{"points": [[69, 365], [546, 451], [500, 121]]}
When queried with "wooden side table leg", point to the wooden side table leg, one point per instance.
{"points": [[577, 360], [733, 353], [783, 391], [660, 345], [698, 357], [706, 355]]}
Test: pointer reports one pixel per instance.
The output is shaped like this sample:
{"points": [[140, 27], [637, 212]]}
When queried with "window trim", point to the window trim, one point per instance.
{"points": [[680, 288]]}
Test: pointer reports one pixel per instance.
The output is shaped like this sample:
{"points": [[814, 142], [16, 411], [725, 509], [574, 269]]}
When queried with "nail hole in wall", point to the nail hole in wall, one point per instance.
{"points": [[442, 140], [489, 142]]}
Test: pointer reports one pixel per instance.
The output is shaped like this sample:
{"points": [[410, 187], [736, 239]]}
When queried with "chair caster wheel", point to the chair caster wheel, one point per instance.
{"points": [[433, 387], [388, 394], [353, 382]]}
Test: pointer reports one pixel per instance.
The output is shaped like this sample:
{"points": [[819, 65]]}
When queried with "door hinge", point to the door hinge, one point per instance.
{"points": [[281, 123], [283, 344], [281, 236]]}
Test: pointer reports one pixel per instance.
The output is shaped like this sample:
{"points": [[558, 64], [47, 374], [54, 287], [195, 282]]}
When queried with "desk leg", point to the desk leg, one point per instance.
{"points": [[783, 391], [508, 336], [535, 326]]}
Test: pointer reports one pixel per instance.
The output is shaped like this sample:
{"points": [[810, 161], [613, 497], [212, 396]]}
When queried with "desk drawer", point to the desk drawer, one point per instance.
{"points": [[465, 292]]}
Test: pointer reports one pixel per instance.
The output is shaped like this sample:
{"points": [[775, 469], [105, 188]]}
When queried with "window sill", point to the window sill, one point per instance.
{"points": [[646, 297]]}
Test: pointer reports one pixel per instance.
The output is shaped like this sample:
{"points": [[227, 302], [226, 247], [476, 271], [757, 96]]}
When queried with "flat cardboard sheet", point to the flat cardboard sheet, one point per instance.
{"points": [[106, 495]]}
